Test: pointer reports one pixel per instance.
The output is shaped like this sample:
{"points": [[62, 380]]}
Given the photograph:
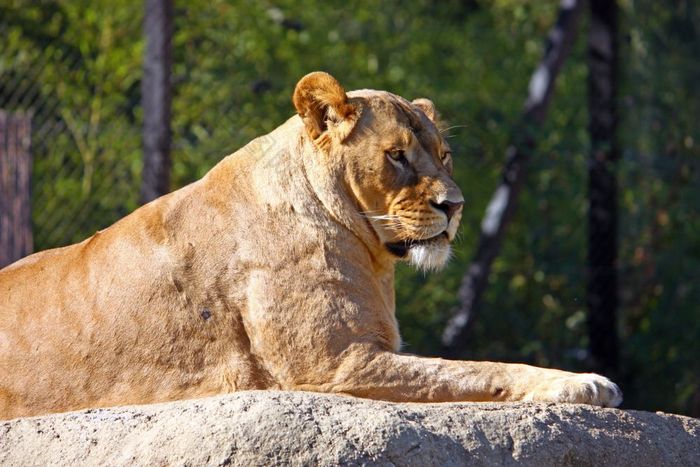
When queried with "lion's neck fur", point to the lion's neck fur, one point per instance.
{"points": [[310, 181], [309, 217], [296, 183]]}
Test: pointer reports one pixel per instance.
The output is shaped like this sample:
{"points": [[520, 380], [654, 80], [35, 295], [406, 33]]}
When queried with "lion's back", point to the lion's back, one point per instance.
{"points": [[30, 278]]}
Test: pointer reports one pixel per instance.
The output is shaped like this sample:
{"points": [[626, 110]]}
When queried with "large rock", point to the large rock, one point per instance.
{"points": [[268, 428]]}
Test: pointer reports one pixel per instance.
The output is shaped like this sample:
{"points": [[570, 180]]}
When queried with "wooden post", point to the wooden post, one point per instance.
{"points": [[15, 187], [156, 95], [602, 296]]}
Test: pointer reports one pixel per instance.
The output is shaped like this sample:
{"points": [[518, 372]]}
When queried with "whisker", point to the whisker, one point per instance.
{"points": [[373, 215], [389, 221], [443, 130], [385, 217]]}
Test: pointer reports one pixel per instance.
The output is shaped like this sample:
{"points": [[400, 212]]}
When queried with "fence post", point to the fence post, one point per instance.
{"points": [[602, 295], [15, 187], [156, 95]]}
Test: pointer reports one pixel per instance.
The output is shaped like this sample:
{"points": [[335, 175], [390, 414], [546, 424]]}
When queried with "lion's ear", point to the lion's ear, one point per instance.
{"points": [[428, 108], [323, 106]]}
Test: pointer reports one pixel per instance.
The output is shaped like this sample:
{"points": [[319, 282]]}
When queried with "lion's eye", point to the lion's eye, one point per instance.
{"points": [[398, 155]]}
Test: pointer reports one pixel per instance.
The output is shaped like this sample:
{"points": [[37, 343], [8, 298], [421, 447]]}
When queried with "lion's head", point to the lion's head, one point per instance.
{"points": [[395, 163]]}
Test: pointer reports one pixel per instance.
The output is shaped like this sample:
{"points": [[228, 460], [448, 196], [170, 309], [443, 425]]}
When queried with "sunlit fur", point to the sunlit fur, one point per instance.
{"points": [[431, 257], [268, 273], [405, 177]]}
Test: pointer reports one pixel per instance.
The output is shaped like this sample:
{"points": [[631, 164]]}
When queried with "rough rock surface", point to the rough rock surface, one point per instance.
{"points": [[272, 428]]}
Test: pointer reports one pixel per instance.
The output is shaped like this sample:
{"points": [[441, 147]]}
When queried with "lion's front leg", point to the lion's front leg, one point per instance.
{"points": [[406, 378]]}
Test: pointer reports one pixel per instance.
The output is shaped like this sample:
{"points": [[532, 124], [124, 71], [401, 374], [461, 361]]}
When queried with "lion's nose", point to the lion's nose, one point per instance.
{"points": [[448, 207]]}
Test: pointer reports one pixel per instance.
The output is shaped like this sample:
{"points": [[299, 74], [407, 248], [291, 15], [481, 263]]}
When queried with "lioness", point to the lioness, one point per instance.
{"points": [[276, 270]]}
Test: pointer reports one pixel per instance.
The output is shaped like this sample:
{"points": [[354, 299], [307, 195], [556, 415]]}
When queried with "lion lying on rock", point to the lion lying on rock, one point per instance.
{"points": [[276, 270]]}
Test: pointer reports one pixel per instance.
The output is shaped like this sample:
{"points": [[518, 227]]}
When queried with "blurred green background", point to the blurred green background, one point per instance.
{"points": [[77, 66]]}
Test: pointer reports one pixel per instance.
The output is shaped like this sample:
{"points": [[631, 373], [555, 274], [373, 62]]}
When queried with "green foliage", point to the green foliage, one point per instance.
{"points": [[236, 63], [78, 68]]}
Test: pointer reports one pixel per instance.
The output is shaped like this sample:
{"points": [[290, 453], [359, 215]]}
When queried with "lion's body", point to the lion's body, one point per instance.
{"points": [[264, 274]]}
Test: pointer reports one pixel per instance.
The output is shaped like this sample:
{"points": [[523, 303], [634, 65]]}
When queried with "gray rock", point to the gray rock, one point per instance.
{"points": [[296, 428]]}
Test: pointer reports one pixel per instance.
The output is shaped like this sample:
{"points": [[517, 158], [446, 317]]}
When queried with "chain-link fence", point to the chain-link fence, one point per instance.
{"points": [[76, 70], [85, 141]]}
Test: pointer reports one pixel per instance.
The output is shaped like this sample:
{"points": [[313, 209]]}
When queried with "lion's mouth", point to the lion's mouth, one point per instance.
{"points": [[402, 247]]}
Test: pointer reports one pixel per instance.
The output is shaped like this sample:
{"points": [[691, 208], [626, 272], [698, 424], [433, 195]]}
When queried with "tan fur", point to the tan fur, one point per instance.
{"points": [[273, 271]]}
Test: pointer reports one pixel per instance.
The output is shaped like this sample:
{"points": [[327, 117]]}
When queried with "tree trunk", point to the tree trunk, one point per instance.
{"points": [[156, 95], [15, 187], [500, 209], [602, 298]]}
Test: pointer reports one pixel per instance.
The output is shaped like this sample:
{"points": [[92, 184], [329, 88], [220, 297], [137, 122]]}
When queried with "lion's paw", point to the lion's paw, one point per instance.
{"points": [[584, 388]]}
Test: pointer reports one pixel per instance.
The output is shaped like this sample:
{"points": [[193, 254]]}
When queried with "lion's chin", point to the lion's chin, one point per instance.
{"points": [[427, 255], [430, 257]]}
